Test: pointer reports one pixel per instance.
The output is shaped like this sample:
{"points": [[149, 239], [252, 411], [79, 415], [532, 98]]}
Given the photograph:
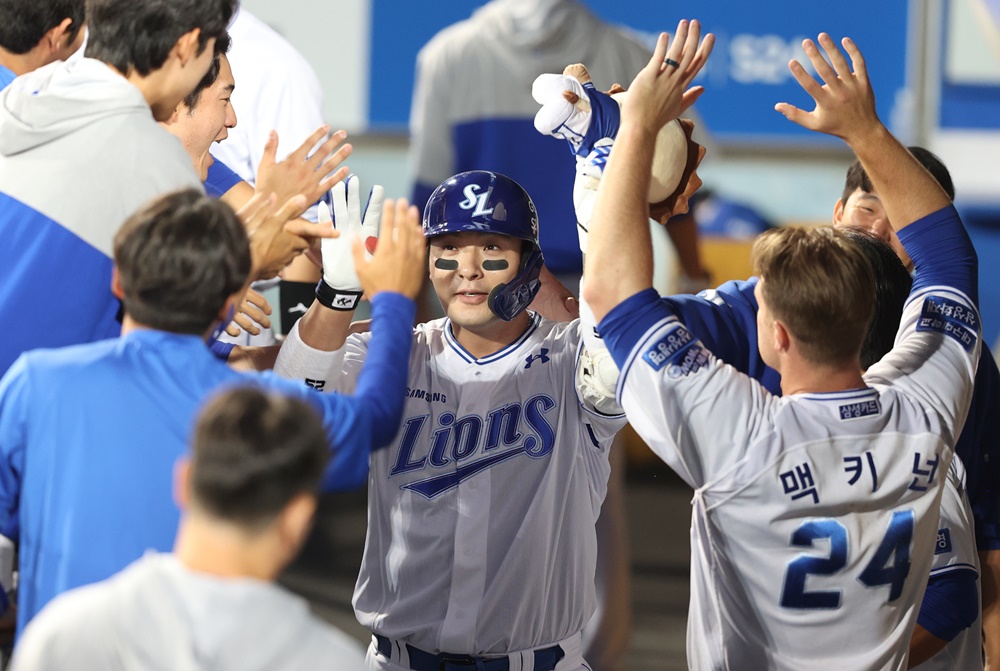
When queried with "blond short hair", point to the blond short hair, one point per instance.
{"points": [[820, 285]]}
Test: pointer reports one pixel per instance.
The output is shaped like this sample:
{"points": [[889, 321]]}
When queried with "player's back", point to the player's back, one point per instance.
{"points": [[812, 550]]}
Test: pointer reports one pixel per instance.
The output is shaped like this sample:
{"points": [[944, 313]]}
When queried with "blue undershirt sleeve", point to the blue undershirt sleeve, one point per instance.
{"points": [[220, 179], [951, 604], [221, 350], [381, 385], [625, 325], [942, 253]]}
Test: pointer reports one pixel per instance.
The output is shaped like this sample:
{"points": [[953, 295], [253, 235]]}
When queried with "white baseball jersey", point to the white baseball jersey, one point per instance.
{"points": [[815, 515], [481, 515], [955, 550]]}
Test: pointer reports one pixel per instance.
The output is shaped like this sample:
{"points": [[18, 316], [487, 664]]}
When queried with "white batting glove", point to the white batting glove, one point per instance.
{"points": [[340, 288]]}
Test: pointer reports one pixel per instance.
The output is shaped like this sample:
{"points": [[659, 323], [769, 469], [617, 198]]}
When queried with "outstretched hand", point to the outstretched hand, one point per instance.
{"points": [[845, 103], [399, 262], [311, 175], [274, 233], [660, 92]]}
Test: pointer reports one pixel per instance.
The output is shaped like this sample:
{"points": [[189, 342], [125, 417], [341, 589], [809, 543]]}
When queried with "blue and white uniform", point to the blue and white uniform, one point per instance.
{"points": [[71, 172], [481, 537], [89, 436], [812, 510]]}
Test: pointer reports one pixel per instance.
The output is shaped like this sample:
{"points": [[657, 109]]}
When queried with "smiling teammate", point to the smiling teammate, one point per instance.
{"points": [[481, 540]]}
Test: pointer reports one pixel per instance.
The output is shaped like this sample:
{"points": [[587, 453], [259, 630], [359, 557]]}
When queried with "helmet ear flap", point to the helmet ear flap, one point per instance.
{"points": [[509, 300]]}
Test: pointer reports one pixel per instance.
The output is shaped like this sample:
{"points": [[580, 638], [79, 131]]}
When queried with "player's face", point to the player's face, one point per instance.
{"points": [[465, 267], [865, 210], [209, 121]]}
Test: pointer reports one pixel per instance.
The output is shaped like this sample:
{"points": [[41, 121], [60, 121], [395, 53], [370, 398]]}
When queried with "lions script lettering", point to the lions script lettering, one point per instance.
{"points": [[465, 446]]}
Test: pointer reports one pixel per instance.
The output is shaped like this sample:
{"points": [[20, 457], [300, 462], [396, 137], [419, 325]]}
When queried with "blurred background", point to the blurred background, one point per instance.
{"points": [[935, 67]]}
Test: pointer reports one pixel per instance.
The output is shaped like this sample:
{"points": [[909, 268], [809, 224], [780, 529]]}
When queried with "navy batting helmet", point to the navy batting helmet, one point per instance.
{"points": [[480, 201]]}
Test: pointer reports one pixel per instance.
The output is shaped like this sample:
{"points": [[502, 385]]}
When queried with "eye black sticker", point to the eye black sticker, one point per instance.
{"points": [[496, 265], [446, 264]]}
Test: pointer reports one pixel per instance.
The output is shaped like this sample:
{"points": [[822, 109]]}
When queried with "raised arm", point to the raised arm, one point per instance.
{"points": [[620, 259], [845, 108]]}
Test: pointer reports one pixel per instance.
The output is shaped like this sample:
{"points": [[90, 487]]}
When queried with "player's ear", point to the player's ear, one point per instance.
{"points": [[54, 37], [782, 338], [838, 212], [295, 522], [116, 283], [182, 482]]}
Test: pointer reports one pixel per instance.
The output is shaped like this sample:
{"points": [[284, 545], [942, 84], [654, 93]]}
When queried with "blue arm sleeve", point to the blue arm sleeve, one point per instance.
{"points": [[370, 418], [628, 322], [220, 179], [221, 350], [725, 320], [381, 385], [942, 253], [950, 605]]}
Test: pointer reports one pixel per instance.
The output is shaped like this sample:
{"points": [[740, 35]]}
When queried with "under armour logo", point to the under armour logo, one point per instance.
{"points": [[544, 356]]}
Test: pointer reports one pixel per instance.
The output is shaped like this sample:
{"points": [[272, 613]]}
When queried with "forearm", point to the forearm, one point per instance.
{"points": [[908, 191], [923, 646], [323, 328], [619, 253], [990, 583], [312, 350], [382, 381]]}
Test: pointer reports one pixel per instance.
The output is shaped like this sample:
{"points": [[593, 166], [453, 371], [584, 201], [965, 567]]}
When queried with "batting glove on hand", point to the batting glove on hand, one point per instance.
{"points": [[574, 110], [340, 288]]}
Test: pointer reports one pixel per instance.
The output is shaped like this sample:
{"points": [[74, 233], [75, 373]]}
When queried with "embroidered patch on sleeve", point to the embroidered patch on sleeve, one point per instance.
{"points": [[951, 318], [668, 348]]}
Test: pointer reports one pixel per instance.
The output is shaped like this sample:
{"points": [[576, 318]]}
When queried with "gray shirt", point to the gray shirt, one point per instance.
{"points": [[158, 615]]}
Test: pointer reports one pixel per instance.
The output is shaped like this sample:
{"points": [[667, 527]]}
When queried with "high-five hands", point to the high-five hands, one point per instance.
{"points": [[399, 263], [845, 103], [662, 90], [340, 288], [302, 172]]}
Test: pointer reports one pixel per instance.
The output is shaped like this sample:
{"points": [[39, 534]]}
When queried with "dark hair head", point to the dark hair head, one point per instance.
{"points": [[857, 178], [137, 35], [892, 286], [23, 23], [222, 45], [179, 258], [254, 452]]}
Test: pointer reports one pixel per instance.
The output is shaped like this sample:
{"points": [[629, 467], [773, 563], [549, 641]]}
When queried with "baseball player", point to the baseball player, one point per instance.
{"points": [[947, 635], [818, 509], [481, 546]]}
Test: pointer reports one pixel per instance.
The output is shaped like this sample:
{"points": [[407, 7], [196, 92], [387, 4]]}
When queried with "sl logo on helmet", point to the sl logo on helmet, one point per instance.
{"points": [[474, 199]]}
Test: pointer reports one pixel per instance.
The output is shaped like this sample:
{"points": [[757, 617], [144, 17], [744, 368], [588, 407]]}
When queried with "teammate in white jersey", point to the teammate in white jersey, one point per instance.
{"points": [[481, 541], [814, 513]]}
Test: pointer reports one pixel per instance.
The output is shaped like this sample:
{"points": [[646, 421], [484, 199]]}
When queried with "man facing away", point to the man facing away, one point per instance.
{"points": [[248, 492], [88, 433], [818, 509], [34, 33]]}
